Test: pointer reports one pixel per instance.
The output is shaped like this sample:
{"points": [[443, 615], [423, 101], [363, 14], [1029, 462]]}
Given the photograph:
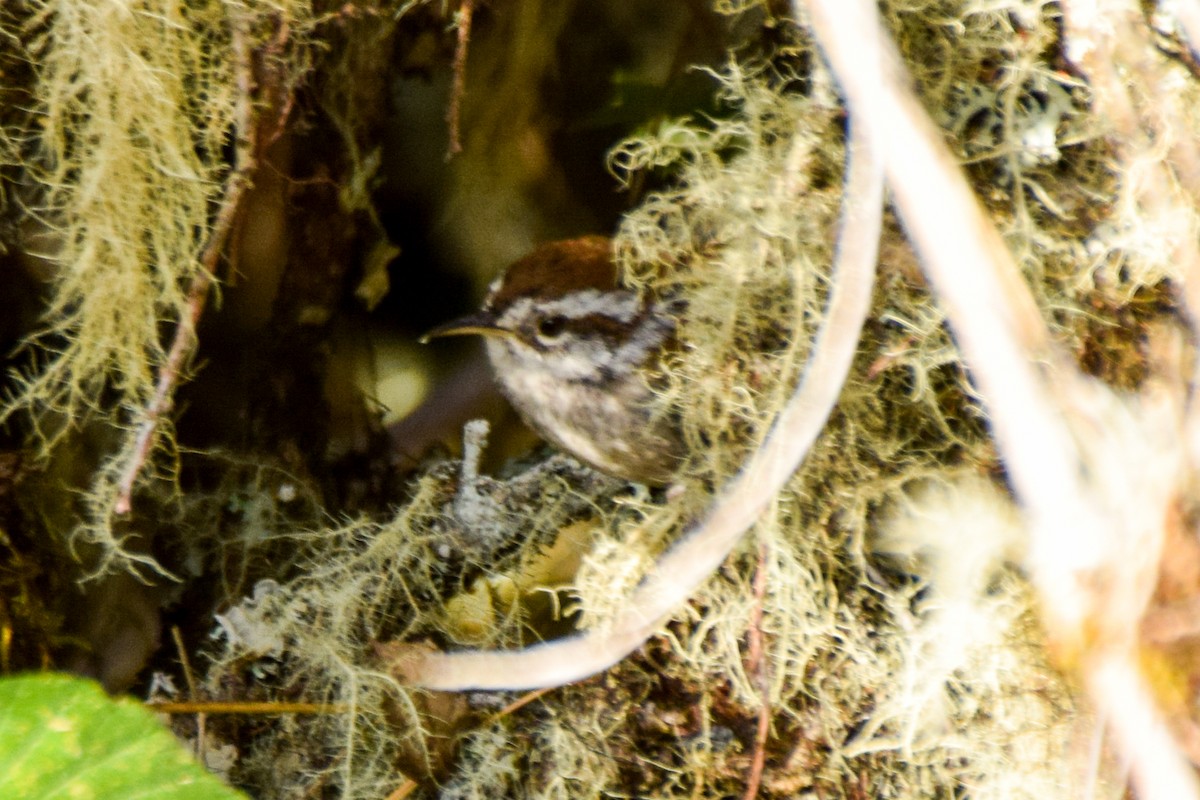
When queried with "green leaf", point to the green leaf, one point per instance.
{"points": [[63, 737]]}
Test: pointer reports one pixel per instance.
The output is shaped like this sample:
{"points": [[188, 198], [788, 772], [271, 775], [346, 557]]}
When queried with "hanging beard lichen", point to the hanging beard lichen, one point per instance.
{"points": [[121, 154]]}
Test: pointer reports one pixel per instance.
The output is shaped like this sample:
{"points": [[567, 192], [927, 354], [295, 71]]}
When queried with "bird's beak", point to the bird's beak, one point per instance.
{"points": [[481, 323]]}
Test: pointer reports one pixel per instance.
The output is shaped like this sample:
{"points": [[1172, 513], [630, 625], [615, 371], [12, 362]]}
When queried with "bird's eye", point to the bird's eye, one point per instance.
{"points": [[551, 327]]}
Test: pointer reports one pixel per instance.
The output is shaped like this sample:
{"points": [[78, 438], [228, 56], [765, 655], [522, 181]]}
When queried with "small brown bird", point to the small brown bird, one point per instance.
{"points": [[574, 353]]}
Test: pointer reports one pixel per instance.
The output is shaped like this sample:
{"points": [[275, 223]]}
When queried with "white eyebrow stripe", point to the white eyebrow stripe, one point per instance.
{"points": [[620, 305]]}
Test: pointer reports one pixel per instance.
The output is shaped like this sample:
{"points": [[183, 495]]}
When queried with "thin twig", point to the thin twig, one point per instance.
{"points": [[184, 343], [181, 349], [267, 709], [190, 678], [760, 671], [458, 88], [272, 57], [705, 545]]}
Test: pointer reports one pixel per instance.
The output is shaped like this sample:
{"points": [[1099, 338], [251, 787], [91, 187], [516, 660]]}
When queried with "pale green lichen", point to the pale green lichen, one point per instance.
{"points": [[867, 697], [122, 157]]}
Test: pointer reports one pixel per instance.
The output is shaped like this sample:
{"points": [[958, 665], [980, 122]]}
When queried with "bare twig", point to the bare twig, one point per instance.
{"points": [[182, 346], [1094, 475], [190, 678], [466, 13], [262, 709], [707, 542], [759, 667]]}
